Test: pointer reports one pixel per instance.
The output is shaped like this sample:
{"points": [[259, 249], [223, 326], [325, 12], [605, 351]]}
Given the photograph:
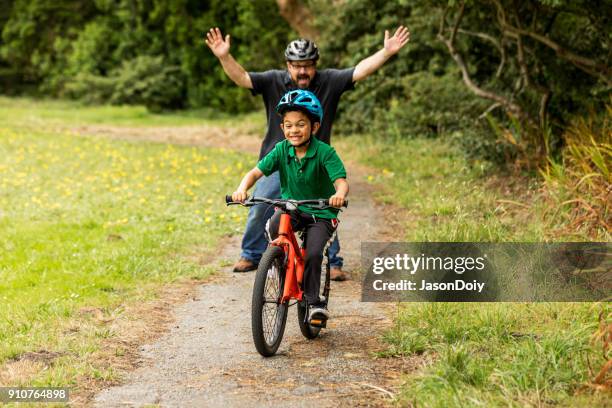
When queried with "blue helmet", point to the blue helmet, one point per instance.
{"points": [[302, 100]]}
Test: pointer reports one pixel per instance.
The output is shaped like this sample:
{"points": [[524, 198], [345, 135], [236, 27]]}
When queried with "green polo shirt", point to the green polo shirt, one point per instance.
{"points": [[309, 178]]}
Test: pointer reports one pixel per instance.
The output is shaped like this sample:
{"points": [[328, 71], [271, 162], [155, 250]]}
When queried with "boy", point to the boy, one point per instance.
{"points": [[309, 169]]}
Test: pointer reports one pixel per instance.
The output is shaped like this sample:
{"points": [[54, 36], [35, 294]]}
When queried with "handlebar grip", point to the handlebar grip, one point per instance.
{"points": [[345, 204], [228, 199]]}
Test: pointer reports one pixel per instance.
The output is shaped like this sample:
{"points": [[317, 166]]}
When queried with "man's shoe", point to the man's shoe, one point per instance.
{"points": [[244, 265], [336, 274]]}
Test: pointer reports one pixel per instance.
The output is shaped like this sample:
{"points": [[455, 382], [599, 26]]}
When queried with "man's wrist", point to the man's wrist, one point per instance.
{"points": [[386, 54]]}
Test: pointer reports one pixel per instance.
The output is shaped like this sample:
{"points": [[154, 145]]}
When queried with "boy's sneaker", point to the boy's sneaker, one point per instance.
{"points": [[244, 265], [318, 315]]}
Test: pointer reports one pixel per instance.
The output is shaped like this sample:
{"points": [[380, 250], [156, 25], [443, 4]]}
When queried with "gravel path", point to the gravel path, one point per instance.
{"points": [[208, 358]]}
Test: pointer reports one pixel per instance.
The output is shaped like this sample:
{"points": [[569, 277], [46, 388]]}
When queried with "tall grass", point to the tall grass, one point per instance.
{"points": [[579, 187]]}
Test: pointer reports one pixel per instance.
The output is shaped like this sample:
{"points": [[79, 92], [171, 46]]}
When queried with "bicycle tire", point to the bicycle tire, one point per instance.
{"points": [[308, 331], [267, 332]]}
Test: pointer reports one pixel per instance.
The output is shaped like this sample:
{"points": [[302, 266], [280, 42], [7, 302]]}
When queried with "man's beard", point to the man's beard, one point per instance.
{"points": [[300, 77]]}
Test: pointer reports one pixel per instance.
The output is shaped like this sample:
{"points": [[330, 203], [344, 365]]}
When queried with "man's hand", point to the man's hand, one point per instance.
{"points": [[216, 43], [399, 39], [336, 200], [239, 196], [221, 47], [369, 65]]}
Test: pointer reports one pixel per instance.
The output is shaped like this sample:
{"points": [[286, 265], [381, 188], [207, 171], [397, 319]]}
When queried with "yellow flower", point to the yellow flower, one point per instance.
{"points": [[387, 173]]}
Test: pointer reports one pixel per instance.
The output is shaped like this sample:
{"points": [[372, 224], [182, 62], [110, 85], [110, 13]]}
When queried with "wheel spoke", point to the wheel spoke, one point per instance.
{"points": [[272, 319]]}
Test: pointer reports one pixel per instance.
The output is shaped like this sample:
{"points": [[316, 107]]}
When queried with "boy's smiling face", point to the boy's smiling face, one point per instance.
{"points": [[297, 127]]}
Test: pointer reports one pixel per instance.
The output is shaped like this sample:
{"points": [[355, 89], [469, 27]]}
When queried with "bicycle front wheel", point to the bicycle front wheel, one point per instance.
{"points": [[268, 313]]}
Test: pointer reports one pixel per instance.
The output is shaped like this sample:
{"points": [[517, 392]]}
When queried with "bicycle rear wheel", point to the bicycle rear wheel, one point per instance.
{"points": [[268, 314], [309, 331]]}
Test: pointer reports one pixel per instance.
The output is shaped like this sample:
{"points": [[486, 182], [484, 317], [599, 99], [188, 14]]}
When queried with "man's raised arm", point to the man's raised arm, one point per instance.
{"points": [[392, 45], [220, 47]]}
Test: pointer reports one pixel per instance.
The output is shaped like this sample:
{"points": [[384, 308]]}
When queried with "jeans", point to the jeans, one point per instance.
{"points": [[254, 241]]}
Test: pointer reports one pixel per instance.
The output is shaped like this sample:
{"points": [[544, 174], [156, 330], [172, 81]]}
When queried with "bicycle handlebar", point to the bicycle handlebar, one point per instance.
{"points": [[255, 200]]}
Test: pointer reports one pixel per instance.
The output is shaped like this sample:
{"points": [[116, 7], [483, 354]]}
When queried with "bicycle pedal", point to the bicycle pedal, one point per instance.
{"points": [[318, 323]]}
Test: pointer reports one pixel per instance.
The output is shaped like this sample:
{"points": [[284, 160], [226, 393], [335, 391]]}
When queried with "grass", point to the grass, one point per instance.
{"points": [[498, 355], [480, 354], [446, 200], [93, 225], [45, 113], [579, 186]]}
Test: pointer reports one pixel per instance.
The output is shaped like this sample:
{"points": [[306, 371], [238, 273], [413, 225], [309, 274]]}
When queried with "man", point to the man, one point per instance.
{"points": [[328, 85]]}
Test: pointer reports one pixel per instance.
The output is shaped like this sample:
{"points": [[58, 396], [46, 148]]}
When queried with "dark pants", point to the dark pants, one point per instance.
{"points": [[318, 232]]}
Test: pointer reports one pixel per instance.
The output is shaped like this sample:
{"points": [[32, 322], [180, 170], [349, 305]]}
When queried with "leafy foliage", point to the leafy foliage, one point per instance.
{"points": [[61, 47], [144, 80], [421, 92]]}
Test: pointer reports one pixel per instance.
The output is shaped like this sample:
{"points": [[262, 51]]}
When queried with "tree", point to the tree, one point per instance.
{"points": [[299, 17], [527, 66]]}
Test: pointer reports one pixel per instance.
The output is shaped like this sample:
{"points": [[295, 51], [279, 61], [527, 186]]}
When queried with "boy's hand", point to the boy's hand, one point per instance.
{"points": [[336, 200], [239, 196]]}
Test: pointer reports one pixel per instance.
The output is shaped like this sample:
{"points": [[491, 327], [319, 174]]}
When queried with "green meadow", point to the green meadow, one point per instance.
{"points": [[93, 223]]}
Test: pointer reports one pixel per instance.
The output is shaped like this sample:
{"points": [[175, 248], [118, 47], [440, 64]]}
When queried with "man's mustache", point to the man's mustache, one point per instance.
{"points": [[303, 77]]}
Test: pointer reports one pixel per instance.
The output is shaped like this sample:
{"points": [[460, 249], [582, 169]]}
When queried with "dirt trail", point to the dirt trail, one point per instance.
{"points": [[208, 358]]}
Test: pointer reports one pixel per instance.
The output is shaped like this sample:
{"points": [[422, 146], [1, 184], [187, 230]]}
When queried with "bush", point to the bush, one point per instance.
{"points": [[420, 104], [145, 80], [63, 47], [151, 82]]}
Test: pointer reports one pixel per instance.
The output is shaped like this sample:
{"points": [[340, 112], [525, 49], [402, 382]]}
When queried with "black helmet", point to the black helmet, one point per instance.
{"points": [[301, 49]]}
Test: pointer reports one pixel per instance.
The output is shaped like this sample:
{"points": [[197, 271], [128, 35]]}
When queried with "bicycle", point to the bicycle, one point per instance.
{"points": [[279, 279]]}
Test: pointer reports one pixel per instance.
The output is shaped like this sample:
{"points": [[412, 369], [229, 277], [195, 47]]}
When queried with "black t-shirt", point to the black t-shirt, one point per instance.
{"points": [[328, 85]]}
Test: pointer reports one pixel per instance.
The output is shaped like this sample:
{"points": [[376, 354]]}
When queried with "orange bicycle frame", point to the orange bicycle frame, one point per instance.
{"points": [[295, 255]]}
